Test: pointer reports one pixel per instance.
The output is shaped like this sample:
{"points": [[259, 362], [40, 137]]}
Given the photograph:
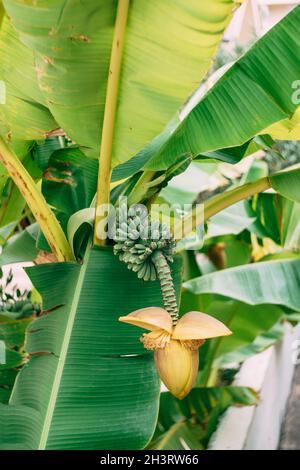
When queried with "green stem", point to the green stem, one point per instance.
{"points": [[222, 201], [37, 203], [218, 203], [166, 283], [103, 186]]}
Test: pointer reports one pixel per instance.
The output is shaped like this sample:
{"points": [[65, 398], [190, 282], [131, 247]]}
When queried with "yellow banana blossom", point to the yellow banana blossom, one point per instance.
{"points": [[176, 346]]}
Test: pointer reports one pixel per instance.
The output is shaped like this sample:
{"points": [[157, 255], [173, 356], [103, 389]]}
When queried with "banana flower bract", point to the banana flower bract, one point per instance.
{"points": [[176, 347]]}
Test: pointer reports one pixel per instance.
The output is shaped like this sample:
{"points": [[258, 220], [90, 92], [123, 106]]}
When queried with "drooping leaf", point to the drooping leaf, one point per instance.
{"points": [[247, 322], [260, 343], [231, 154], [274, 282]]}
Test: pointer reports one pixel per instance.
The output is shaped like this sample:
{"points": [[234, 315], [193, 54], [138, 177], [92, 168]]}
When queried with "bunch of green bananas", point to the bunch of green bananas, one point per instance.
{"points": [[137, 239], [17, 309]]}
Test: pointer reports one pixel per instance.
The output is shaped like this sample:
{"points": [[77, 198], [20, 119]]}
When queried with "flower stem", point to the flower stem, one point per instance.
{"points": [[166, 283]]}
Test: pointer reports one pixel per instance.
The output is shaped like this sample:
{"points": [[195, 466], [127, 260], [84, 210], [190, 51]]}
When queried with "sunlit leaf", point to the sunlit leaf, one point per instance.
{"points": [[275, 282]]}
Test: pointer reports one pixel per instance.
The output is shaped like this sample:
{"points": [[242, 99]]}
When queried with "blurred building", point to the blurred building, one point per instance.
{"points": [[255, 17]]}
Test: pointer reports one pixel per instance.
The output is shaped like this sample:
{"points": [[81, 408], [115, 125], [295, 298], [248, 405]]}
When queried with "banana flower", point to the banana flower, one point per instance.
{"points": [[176, 347]]}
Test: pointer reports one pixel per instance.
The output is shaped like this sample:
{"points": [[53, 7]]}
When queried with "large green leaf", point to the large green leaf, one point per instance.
{"points": [[251, 95], [275, 282], [24, 116], [71, 41], [247, 322], [89, 384], [251, 326], [260, 343]]}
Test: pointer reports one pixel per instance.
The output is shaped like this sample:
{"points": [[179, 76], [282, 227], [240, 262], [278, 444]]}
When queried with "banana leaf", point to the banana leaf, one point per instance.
{"points": [[287, 183], [260, 343], [89, 383], [247, 323], [253, 94], [275, 282], [71, 43], [288, 129], [24, 116]]}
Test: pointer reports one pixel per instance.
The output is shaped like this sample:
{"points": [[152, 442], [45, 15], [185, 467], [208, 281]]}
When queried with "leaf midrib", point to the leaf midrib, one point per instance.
{"points": [[62, 357]]}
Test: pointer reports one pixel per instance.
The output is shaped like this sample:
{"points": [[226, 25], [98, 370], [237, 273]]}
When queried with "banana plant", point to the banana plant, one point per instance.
{"points": [[16, 312], [93, 75]]}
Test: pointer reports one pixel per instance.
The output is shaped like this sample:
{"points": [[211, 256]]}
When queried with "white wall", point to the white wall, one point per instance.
{"points": [[255, 17]]}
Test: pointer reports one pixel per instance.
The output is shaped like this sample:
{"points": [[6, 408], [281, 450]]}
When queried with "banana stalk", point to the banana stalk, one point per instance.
{"points": [[37, 203], [103, 187]]}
